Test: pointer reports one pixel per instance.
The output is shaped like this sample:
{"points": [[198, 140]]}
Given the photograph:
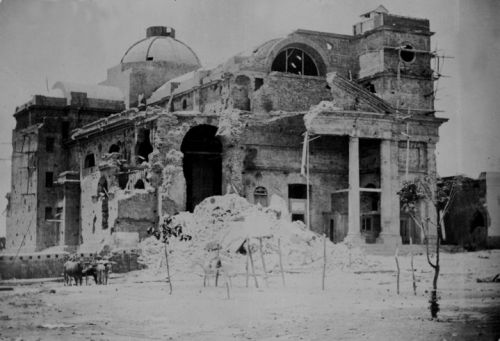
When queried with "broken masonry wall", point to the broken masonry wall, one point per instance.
{"points": [[22, 215], [231, 129], [96, 228], [409, 94], [166, 162], [214, 98], [273, 161], [290, 92], [136, 212]]}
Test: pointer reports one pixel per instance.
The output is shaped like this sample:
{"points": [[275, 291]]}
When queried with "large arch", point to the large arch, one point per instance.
{"points": [[202, 164], [314, 50]]}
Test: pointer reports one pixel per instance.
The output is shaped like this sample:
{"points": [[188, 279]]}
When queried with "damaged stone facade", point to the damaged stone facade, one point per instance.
{"points": [[182, 133]]}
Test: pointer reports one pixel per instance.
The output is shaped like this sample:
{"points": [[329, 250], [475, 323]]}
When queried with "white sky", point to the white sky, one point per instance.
{"points": [[77, 40]]}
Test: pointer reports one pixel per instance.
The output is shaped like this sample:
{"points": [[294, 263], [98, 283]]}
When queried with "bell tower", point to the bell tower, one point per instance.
{"points": [[394, 60]]}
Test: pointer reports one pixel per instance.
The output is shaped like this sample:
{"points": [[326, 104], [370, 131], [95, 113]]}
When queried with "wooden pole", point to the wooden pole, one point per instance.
{"points": [[168, 270], [281, 262], [251, 263], [247, 264], [324, 263], [308, 223], [263, 261], [227, 289], [397, 265], [412, 270]]}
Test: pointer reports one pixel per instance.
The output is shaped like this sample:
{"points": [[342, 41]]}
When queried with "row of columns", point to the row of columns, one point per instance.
{"points": [[389, 181]]}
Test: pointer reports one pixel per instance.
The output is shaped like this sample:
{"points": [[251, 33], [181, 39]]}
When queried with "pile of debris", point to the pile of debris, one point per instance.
{"points": [[223, 226]]}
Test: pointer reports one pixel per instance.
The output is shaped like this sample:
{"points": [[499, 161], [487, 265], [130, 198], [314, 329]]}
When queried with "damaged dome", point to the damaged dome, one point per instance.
{"points": [[160, 45]]}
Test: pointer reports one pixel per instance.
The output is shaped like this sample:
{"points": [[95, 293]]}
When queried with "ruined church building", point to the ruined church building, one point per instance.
{"points": [[96, 163]]}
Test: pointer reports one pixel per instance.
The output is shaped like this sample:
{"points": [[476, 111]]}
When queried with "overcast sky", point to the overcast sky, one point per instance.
{"points": [[43, 41]]}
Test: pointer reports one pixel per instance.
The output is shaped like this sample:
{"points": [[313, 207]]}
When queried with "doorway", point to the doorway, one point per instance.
{"points": [[202, 164]]}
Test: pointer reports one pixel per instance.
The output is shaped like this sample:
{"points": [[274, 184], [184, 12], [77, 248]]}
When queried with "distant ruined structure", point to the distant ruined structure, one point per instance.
{"points": [[98, 164]]}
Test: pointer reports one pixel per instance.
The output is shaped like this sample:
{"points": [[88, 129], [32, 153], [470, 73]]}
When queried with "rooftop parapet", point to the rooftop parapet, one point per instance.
{"points": [[76, 99], [381, 18]]}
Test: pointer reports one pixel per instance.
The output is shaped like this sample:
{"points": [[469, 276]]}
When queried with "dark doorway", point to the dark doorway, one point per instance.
{"points": [[202, 164], [143, 146], [102, 194]]}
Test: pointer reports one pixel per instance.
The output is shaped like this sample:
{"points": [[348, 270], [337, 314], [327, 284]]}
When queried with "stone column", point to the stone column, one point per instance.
{"points": [[354, 231], [389, 205]]}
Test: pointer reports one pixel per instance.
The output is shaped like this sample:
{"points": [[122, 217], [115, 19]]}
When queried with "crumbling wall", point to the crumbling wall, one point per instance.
{"points": [[93, 232], [136, 211], [273, 155], [289, 92]]}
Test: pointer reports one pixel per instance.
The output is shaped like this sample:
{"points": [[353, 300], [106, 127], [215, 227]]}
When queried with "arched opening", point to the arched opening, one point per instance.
{"points": [[202, 164], [89, 161], [143, 146], [295, 60], [139, 184], [102, 194], [114, 148], [260, 196]]}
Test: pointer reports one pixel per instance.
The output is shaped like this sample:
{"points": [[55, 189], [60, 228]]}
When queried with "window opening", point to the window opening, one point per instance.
{"points": [[89, 161], [295, 61], [407, 54], [184, 104], [49, 144], [48, 213], [114, 148], [49, 179], [366, 224], [297, 191], [139, 184], [65, 130], [143, 146], [258, 83], [260, 196], [370, 87]]}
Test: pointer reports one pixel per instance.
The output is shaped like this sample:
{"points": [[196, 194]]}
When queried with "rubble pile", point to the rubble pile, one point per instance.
{"points": [[227, 221]]}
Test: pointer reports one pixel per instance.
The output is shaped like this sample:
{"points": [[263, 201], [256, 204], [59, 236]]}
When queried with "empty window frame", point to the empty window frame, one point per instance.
{"points": [[89, 161], [48, 213], [297, 191], [366, 224], [260, 196], [49, 144], [49, 179], [295, 61]]}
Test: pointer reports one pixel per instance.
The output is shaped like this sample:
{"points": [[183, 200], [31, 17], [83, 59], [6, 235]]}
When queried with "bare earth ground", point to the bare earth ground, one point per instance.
{"points": [[354, 306]]}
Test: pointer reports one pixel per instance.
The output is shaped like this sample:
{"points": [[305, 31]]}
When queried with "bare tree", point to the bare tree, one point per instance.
{"points": [[439, 193], [164, 232]]}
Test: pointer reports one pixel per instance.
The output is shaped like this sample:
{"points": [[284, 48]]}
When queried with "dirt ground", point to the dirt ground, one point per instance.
{"points": [[355, 305]]}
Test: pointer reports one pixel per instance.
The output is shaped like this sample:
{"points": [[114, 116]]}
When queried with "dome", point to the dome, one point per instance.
{"points": [[160, 45]]}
